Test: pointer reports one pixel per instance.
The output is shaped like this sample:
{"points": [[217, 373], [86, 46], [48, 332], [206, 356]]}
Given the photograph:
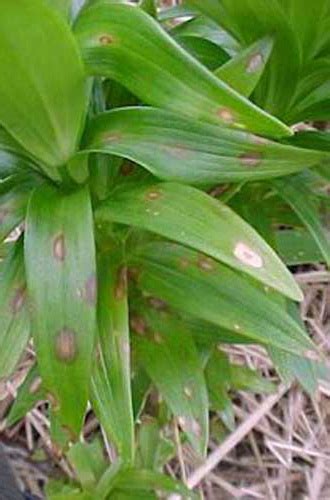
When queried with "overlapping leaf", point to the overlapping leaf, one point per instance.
{"points": [[44, 107], [174, 148], [111, 382], [14, 318], [170, 358], [193, 218], [60, 265], [124, 43], [199, 286]]}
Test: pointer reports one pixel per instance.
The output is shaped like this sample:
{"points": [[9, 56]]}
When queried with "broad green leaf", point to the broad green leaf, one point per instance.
{"points": [[88, 462], [111, 384], [244, 71], [44, 107], [61, 6], [59, 246], [187, 215], [243, 378], [171, 360], [149, 6], [154, 450], [14, 318], [296, 192], [178, 149], [250, 20], [13, 158], [206, 52], [124, 43], [297, 247], [28, 395], [199, 286]]}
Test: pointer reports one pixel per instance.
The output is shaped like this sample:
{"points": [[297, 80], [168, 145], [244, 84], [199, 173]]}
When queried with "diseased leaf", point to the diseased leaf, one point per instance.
{"points": [[14, 318], [170, 358], [44, 107], [178, 149], [59, 246], [296, 192], [199, 286], [111, 384], [244, 71], [193, 218], [124, 43]]}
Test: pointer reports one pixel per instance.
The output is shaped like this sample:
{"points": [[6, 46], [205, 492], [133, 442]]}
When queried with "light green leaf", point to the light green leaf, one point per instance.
{"points": [[44, 108], [297, 247], [124, 43], [199, 286], [171, 360], [111, 384], [244, 71], [14, 318], [59, 246], [296, 192], [187, 215], [62, 6], [174, 148]]}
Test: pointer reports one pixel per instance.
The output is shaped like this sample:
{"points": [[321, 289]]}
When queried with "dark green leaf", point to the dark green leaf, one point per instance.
{"points": [[111, 385], [191, 217], [44, 107], [198, 285], [14, 318], [297, 247], [171, 360], [174, 148], [124, 43], [59, 246]]}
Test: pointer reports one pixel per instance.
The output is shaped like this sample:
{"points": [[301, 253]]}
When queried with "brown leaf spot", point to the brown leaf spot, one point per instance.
{"points": [[158, 338], [226, 115], [59, 250], [153, 195], [106, 39], [188, 392], [205, 263], [127, 169], [138, 325], [113, 137], [258, 140], [178, 151], [35, 385], [66, 345], [218, 190], [18, 300], [121, 283], [88, 293], [248, 256], [157, 304], [252, 159], [53, 401], [255, 63], [125, 347], [3, 214], [184, 263]]}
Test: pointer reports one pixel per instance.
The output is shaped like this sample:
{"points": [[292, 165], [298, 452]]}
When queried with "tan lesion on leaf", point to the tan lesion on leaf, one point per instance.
{"points": [[255, 63], [88, 292], [248, 256], [121, 283], [59, 248], [205, 263], [106, 39], [154, 194], [251, 159], [66, 347], [19, 299], [226, 115]]}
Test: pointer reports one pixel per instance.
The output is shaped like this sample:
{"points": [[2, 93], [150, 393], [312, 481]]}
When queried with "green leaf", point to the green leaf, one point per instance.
{"points": [[44, 107], [249, 21], [175, 148], [199, 286], [62, 6], [149, 6], [59, 246], [88, 462], [124, 43], [111, 384], [244, 71], [13, 158], [297, 247], [191, 217], [14, 318], [171, 360], [28, 395], [296, 192], [153, 449]]}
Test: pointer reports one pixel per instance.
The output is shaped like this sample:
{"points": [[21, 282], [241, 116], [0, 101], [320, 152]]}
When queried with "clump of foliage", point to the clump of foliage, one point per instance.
{"points": [[151, 166]]}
